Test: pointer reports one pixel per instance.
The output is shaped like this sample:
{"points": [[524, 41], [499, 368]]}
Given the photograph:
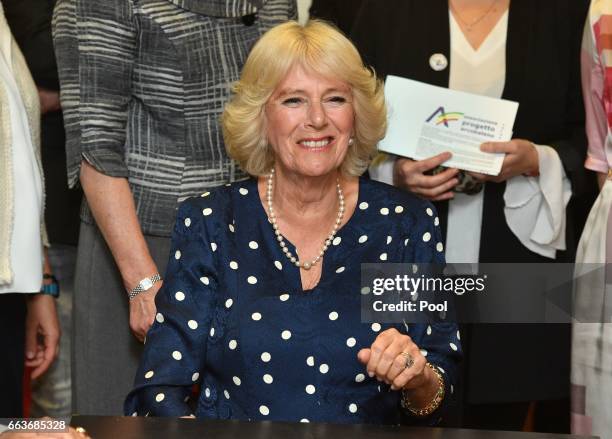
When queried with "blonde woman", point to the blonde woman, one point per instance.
{"points": [[261, 303]]}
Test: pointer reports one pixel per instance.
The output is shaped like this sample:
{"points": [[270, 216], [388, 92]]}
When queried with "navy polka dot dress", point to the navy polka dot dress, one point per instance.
{"points": [[233, 318]]}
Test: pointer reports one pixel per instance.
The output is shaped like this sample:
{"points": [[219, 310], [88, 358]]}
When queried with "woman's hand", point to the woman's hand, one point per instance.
{"points": [[42, 333], [521, 159], [409, 174], [142, 311], [386, 360]]}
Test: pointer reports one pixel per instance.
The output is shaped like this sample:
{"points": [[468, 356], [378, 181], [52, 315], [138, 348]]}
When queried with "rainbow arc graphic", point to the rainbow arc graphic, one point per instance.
{"points": [[442, 117]]}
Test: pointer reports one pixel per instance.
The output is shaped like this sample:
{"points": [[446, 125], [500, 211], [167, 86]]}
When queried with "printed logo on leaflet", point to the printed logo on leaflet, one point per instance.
{"points": [[442, 117]]}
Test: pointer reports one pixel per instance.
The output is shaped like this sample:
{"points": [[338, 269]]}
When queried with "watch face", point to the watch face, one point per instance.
{"points": [[145, 284]]}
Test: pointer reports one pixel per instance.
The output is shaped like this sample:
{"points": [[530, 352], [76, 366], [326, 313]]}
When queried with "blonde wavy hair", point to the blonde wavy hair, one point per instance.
{"points": [[317, 46]]}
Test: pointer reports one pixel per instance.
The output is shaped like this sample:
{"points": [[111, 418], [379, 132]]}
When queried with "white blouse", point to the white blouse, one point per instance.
{"points": [[26, 243], [534, 206]]}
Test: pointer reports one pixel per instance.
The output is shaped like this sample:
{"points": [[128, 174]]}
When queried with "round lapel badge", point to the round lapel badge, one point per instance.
{"points": [[438, 62]]}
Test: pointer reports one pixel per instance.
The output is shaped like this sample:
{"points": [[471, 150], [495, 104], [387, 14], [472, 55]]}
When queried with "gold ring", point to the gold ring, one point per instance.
{"points": [[409, 361], [80, 430]]}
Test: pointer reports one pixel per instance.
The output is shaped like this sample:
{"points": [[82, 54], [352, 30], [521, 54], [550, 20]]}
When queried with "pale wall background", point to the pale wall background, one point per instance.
{"points": [[303, 6]]}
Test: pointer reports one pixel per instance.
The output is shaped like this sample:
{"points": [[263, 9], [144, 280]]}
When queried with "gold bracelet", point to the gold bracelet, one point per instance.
{"points": [[435, 402]]}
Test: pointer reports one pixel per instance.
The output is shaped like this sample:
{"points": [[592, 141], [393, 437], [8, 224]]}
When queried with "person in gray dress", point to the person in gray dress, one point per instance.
{"points": [[143, 84]]}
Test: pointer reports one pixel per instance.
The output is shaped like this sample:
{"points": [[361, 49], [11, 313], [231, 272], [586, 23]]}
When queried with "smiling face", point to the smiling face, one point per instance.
{"points": [[310, 119]]}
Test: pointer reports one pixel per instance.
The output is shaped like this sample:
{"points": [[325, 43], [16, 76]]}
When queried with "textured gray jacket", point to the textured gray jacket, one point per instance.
{"points": [[143, 84]]}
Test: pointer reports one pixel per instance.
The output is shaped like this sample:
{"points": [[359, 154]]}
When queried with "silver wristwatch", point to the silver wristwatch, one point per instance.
{"points": [[144, 285]]}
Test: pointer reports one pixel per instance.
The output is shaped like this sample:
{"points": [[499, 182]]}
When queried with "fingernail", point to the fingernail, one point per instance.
{"points": [[393, 387], [30, 355], [371, 374]]}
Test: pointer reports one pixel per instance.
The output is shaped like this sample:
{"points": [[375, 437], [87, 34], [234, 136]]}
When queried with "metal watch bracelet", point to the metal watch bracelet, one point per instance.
{"points": [[144, 285]]}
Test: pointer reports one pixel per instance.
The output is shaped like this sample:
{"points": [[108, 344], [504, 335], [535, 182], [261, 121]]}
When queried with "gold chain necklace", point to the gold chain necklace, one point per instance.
{"points": [[470, 26]]}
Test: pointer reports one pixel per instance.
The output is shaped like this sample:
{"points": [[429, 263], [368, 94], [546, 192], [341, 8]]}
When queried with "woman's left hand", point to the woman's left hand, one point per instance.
{"points": [[387, 360], [521, 159]]}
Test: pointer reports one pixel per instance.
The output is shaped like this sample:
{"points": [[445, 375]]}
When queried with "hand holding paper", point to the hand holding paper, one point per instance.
{"points": [[410, 175], [521, 159]]}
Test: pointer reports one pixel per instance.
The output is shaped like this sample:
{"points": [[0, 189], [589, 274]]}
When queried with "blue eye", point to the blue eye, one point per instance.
{"points": [[292, 102], [336, 100]]}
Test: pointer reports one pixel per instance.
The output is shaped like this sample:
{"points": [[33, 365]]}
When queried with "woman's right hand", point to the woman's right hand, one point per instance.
{"points": [[409, 174]]}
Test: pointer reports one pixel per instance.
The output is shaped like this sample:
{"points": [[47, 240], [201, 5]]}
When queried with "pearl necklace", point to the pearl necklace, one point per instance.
{"points": [[272, 218]]}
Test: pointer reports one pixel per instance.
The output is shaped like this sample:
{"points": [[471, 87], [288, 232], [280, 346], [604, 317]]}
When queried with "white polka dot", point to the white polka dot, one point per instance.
{"points": [[159, 317], [324, 368], [243, 191], [253, 245], [256, 316], [206, 194], [205, 280], [195, 377], [363, 205], [135, 414], [233, 344], [384, 211], [310, 361], [266, 357], [350, 342], [207, 211], [429, 211], [229, 303], [213, 246], [159, 397], [192, 324], [376, 327], [268, 379], [439, 247], [453, 346], [426, 236], [365, 290], [337, 240], [278, 265], [436, 221], [452, 389], [304, 421], [406, 241], [399, 209], [180, 296], [428, 330], [340, 269], [284, 297], [441, 370], [383, 257], [149, 374], [458, 336], [187, 222], [177, 355], [264, 410], [231, 228], [252, 280], [353, 408], [286, 334], [177, 255], [236, 380], [359, 378], [363, 238], [207, 392], [389, 239], [333, 316], [212, 332], [310, 389], [226, 394], [233, 265]]}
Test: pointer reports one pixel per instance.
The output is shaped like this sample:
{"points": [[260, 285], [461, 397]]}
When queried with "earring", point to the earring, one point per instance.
{"points": [[351, 141]]}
